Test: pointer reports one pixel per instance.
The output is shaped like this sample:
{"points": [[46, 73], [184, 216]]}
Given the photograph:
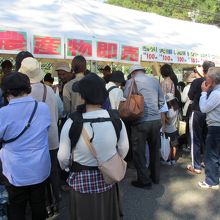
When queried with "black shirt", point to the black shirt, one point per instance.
{"points": [[195, 93]]}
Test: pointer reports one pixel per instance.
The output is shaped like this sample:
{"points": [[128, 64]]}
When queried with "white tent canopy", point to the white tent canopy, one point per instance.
{"points": [[89, 18]]}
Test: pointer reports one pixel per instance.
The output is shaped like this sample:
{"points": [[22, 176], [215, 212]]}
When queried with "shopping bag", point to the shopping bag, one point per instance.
{"points": [[165, 147], [181, 127]]}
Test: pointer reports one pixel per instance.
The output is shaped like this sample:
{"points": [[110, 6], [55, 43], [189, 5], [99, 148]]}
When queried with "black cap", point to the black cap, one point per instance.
{"points": [[15, 80], [117, 76], [92, 89]]}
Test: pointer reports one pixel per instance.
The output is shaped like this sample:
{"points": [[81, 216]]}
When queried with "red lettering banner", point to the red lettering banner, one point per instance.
{"points": [[79, 47], [129, 53], [107, 50], [13, 41], [47, 46]]}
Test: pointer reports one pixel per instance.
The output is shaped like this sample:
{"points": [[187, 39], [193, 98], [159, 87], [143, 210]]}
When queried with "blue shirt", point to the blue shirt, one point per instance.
{"points": [[25, 161]]}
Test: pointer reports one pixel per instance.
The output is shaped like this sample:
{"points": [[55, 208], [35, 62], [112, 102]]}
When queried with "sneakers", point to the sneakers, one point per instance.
{"points": [[173, 162], [204, 185], [192, 170], [138, 184], [168, 162]]}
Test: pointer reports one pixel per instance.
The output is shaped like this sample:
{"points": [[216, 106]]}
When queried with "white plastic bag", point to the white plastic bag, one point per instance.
{"points": [[165, 147]]}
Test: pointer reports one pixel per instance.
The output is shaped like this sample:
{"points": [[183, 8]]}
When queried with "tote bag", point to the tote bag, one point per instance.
{"points": [[114, 169], [133, 107]]}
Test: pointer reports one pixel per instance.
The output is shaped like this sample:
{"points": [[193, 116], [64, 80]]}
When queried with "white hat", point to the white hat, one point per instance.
{"points": [[169, 97], [31, 67], [63, 66], [135, 67]]}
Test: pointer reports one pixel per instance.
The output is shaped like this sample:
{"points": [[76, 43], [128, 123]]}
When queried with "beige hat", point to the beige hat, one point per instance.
{"points": [[63, 66], [135, 67], [190, 78], [31, 67]]}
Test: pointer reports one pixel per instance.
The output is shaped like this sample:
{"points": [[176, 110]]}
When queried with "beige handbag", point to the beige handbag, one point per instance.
{"points": [[114, 169], [133, 107], [181, 127]]}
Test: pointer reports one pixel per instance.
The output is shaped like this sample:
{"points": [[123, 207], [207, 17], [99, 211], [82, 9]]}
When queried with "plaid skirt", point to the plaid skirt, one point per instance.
{"points": [[96, 206]]}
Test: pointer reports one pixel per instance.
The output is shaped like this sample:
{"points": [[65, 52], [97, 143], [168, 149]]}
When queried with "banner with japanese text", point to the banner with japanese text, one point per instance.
{"points": [[180, 56], [76, 47], [166, 55], [47, 46], [149, 53], [129, 54], [12, 42], [107, 51], [194, 58]]}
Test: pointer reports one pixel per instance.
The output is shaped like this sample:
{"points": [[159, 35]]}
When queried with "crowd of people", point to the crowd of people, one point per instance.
{"points": [[45, 130]]}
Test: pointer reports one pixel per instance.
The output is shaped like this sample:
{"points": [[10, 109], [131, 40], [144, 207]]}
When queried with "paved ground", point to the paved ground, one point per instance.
{"points": [[176, 197]]}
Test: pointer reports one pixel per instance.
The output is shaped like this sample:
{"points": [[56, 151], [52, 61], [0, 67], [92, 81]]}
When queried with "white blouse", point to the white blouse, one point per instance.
{"points": [[104, 141]]}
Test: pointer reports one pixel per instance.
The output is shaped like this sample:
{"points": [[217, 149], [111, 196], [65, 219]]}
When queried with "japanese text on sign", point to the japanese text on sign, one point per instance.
{"points": [[149, 53], [47, 45], [107, 50], [180, 56], [129, 53], [165, 55], [194, 58], [13, 41], [79, 47]]}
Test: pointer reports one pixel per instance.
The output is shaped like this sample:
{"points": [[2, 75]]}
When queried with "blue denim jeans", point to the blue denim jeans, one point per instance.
{"points": [[212, 155]]}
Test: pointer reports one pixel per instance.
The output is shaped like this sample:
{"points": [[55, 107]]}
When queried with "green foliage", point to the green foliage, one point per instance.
{"points": [[203, 11]]}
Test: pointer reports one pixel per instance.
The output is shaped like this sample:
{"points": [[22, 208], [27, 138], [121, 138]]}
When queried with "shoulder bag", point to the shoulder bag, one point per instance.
{"points": [[114, 169], [133, 107]]}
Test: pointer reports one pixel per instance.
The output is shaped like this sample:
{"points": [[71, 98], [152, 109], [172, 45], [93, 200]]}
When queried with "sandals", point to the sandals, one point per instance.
{"points": [[192, 170]]}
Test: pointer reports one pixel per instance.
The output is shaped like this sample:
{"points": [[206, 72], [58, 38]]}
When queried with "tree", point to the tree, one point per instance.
{"points": [[203, 11]]}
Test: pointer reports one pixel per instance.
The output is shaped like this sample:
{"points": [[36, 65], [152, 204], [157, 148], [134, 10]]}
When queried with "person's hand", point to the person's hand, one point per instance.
{"points": [[205, 86]]}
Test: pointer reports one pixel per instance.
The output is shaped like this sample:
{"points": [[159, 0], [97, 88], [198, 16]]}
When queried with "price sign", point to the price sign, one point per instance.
{"points": [[78, 47], [205, 56], [166, 55], [194, 58], [180, 56], [149, 53], [11, 42]]}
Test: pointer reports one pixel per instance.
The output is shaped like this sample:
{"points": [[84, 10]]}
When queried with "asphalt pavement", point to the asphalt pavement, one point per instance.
{"points": [[177, 197]]}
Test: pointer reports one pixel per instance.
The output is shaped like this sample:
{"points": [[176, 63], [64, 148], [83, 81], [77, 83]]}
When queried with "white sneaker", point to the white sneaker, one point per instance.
{"points": [[204, 185]]}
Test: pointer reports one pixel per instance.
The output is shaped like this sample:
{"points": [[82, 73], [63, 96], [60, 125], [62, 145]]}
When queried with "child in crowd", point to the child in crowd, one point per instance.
{"points": [[171, 126]]}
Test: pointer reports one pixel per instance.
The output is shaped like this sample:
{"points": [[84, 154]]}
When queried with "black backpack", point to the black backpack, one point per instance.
{"points": [[78, 120]]}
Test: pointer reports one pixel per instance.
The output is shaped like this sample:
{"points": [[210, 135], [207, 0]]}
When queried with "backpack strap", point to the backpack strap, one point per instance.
{"points": [[76, 128], [77, 125], [45, 93], [111, 88], [116, 121]]}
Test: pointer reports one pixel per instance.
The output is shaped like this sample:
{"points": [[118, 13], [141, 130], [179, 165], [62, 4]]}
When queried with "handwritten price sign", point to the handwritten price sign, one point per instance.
{"points": [[180, 56], [149, 53], [166, 55], [194, 58]]}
